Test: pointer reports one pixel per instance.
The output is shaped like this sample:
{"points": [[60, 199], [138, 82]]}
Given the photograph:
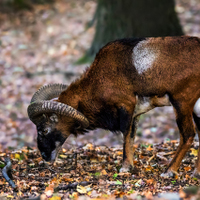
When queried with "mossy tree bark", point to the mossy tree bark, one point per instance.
{"points": [[133, 18]]}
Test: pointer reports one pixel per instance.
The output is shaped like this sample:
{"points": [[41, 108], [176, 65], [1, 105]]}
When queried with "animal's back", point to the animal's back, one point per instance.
{"points": [[145, 61]]}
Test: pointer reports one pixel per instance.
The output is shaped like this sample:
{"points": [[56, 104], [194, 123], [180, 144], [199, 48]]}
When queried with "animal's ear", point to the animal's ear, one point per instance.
{"points": [[54, 118]]}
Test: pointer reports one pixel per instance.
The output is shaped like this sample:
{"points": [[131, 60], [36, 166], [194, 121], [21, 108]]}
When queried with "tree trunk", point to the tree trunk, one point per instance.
{"points": [[133, 18]]}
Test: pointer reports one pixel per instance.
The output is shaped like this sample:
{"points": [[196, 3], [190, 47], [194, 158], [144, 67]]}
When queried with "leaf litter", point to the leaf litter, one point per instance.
{"points": [[93, 172]]}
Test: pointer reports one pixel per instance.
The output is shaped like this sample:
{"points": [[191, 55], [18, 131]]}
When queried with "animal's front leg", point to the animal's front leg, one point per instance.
{"points": [[128, 146]]}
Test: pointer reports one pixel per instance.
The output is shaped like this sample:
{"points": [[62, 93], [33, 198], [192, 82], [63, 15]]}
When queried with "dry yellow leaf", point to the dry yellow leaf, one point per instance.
{"points": [[194, 152], [19, 194], [63, 156], [89, 193], [93, 160], [81, 189], [17, 156], [55, 198], [10, 196]]}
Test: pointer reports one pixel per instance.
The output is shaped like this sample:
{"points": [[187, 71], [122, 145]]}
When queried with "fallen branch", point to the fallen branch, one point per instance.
{"points": [[6, 172]]}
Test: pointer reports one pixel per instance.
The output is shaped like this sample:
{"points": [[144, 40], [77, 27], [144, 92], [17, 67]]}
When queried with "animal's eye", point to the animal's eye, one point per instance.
{"points": [[45, 131]]}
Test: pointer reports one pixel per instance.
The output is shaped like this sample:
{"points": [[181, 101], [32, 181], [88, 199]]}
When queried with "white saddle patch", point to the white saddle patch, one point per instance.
{"points": [[144, 56]]}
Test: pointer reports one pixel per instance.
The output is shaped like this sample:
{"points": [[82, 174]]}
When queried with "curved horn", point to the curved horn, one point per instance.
{"points": [[48, 92], [41, 107]]}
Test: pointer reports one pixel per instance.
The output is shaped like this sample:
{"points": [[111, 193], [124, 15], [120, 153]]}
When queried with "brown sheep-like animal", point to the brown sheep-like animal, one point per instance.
{"points": [[127, 76]]}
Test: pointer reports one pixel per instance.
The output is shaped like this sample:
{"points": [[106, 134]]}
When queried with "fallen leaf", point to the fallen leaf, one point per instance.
{"points": [[17, 156], [194, 152], [55, 198], [74, 195], [119, 153], [187, 168], [49, 190], [89, 147], [80, 189], [118, 182], [103, 172], [63, 156], [149, 148], [150, 181]]}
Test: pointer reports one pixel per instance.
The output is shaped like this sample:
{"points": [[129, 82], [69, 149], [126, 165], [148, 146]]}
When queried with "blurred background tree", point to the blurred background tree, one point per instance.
{"points": [[132, 18]]}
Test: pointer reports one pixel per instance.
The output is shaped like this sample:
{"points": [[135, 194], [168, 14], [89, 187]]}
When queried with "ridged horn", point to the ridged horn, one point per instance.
{"points": [[38, 108], [48, 92]]}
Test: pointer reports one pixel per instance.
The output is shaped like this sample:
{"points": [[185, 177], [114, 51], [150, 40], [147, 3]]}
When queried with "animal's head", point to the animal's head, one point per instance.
{"points": [[55, 121]]}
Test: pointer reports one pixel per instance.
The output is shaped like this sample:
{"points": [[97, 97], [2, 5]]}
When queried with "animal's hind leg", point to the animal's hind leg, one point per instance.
{"points": [[187, 133], [197, 122]]}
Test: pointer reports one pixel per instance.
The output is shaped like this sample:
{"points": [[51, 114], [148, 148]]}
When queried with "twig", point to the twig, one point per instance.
{"points": [[74, 185], [161, 157], [152, 157], [6, 172], [51, 170], [166, 154]]}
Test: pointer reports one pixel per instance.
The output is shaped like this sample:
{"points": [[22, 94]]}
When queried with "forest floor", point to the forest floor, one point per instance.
{"points": [[39, 47]]}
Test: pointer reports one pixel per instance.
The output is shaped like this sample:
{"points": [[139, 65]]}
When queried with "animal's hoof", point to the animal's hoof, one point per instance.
{"points": [[169, 174], [196, 174]]}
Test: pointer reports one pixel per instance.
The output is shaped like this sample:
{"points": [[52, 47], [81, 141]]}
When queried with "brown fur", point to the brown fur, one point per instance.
{"points": [[106, 93]]}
